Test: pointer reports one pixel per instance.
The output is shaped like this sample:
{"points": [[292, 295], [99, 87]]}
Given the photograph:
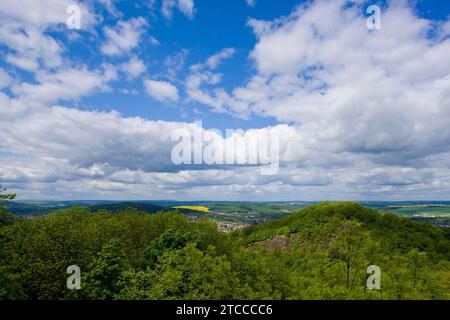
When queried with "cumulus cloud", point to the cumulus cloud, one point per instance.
{"points": [[87, 153], [31, 49], [123, 37], [65, 84], [23, 27], [204, 74], [58, 144], [43, 13], [162, 91], [175, 62], [134, 67], [382, 93], [214, 61], [5, 79], [366, 112], [185, 6]]}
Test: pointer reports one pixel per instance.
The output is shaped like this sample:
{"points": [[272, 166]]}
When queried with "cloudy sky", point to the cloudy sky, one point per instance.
{"points": [[88, 113]]}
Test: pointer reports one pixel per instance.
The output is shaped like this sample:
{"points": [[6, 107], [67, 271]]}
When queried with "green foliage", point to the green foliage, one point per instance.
{"points": [[6, 196], [102, 280], [169, 241], [320, 252], [5, 217], [185, 273]]}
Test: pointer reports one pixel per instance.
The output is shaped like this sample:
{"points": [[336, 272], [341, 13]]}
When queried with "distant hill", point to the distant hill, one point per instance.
{"points": [[44, 207], [35, 208], [324, 221], [434, 212], [115, 207]]}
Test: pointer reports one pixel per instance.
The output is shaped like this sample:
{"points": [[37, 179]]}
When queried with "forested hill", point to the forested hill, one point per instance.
{"points": [[323, 222], [120, 206], [320, 252]]}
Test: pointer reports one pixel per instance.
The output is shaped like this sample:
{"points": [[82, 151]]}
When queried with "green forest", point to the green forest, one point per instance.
{"points": [[319, 252]]}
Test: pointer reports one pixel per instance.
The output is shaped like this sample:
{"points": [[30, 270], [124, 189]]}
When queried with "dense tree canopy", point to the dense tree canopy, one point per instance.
{"points": [[320, 252], [5, 217]]}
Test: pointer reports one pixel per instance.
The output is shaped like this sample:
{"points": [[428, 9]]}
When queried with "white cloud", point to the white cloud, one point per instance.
{"points": [[351, 89], [203, 74], [43, 13], [132, 92], [23, 29], [123, 37], [251, 3], [195, 84], [5, 79], [185, 6], [175, 63], [66, 84], [161, 90], [133, 67], [368, 110], [30, 49], [214, 61], [59, 152], [155, 42], [167, 8]]}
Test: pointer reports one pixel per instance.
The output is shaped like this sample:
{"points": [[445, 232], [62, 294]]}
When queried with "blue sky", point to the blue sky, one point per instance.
{"points": [[88, 113], [216, 25]]}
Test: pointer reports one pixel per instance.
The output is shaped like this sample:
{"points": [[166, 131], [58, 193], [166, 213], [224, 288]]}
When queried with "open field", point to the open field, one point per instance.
{"points": [[193, 208]]}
